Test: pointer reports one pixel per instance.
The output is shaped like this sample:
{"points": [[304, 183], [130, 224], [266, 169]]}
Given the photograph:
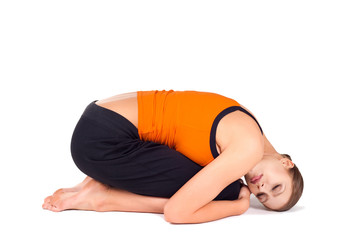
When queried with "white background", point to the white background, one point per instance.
{"points": [[294, 64]]}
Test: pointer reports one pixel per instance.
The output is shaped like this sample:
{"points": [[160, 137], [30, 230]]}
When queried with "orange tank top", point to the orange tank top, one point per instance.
{"points": [[184, 120]]}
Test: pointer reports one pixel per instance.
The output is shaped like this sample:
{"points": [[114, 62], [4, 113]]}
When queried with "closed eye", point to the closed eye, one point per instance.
{"points": [[276, 187], [262, 197]]}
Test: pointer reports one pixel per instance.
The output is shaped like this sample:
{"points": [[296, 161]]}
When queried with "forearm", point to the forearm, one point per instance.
{"points": [[212, 211], [219, 209]]}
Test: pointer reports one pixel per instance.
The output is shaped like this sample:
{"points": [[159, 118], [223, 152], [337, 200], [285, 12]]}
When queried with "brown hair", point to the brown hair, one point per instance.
{"points": [[297, 186]]}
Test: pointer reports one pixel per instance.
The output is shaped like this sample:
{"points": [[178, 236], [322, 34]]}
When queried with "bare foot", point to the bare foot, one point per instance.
{"points": [[88, 195], [76, 188], [63, 192]]}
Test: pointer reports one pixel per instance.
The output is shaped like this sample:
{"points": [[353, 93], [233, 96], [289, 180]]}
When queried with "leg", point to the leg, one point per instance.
{"points": [[152, 170], [121, 200], [106, 147], [142, 184]]}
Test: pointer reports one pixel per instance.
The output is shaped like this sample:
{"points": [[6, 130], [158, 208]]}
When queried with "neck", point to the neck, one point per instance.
{"points": [[268, 148]]}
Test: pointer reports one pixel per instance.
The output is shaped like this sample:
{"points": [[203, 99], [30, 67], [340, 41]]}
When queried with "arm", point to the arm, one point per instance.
{"points": [[221, 209], [193, 202], [212, 211]]}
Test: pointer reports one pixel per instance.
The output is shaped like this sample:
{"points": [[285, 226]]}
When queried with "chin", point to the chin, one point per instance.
{"points": [[247, 179]]}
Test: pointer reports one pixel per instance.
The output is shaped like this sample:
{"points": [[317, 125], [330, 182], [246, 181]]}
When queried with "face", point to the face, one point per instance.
{"points": [[270, 181]]}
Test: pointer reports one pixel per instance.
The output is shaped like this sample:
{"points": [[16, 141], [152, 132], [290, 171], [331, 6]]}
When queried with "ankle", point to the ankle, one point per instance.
{"points": [[101, 204]]}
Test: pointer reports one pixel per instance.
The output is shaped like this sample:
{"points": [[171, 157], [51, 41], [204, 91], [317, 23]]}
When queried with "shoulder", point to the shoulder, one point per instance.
{"points": [[239, 131]]}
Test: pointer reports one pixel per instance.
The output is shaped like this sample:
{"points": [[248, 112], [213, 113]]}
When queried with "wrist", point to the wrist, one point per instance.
{"points": [[243, 204]]}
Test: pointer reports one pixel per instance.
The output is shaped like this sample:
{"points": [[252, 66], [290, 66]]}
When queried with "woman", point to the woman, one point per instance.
{"points": [[181, 153]]}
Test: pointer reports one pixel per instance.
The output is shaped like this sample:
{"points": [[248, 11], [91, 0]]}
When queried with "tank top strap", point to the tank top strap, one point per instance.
{"points": [[222, 114]]}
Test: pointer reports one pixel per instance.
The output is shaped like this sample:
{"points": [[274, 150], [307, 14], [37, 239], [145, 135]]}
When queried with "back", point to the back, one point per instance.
{"points": [[184, 120]]}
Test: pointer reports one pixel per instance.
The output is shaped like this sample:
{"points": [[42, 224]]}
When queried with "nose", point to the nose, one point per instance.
{"points": [[260, 185]]}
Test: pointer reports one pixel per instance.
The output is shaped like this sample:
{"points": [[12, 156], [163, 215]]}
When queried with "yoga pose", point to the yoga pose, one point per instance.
{"points": [[180, 153]]}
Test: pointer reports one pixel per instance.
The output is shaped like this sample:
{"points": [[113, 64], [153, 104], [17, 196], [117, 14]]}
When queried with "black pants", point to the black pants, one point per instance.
{"points": [[106, 146]]}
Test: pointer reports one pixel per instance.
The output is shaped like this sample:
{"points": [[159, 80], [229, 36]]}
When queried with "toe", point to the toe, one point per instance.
{"points": [[46, 203], [59, 200], [46, 206], [47, 199], [53, 205], [62, 202], [59, 191], [54, 208]]}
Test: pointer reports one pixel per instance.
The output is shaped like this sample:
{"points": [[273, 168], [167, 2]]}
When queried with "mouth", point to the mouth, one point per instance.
{"points": [[255, 179]]}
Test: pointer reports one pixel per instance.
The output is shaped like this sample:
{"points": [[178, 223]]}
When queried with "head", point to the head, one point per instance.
{"points": [[276, 182]]}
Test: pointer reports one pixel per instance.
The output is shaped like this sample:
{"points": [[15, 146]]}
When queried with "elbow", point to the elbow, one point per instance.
{"points": [[174, 215], [173, 218], [244, 209]]}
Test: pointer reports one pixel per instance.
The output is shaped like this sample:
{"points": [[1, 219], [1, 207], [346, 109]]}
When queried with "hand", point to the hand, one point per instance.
{"points": [[244, 192], [244, 199]]}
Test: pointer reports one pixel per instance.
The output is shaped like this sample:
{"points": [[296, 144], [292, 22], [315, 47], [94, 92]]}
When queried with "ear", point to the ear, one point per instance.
{"points": [[287, 163]]}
